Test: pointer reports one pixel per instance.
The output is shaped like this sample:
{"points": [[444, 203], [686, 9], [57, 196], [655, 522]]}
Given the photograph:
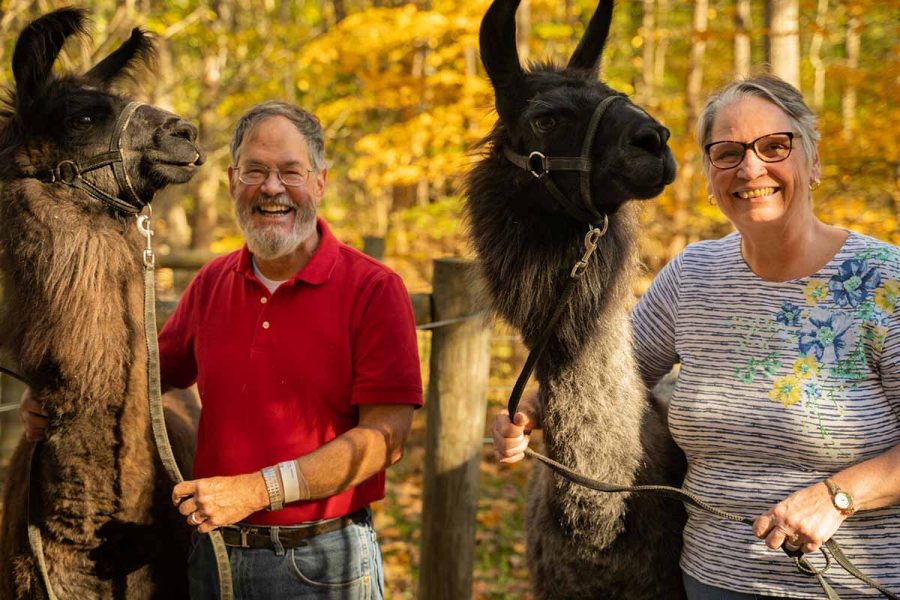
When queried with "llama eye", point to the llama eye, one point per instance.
{"points": [[82, 121], [544, 124]]}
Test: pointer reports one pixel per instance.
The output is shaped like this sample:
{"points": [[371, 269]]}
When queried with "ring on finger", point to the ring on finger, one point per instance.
{"points": [[793, 544], [193, 519]]}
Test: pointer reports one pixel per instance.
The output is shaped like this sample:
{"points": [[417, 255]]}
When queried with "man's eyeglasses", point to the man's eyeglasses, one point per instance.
{"points": [[770, 148], [255, 175]]}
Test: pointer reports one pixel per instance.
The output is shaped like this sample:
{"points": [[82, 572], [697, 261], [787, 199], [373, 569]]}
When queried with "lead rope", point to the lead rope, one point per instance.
{"points": [[34, 531], [591, 239], [157, 417]]}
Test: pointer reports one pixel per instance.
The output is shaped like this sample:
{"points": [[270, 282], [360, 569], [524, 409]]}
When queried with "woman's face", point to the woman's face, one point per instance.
{"points": [[755, 193]]}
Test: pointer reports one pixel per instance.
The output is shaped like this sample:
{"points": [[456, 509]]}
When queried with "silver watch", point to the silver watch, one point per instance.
{"points": [[276, 499]]}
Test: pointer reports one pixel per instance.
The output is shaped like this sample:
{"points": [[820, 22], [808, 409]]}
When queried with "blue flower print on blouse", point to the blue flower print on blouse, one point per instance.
{"points": [[789, 315], [827, 336], [853, 282]]}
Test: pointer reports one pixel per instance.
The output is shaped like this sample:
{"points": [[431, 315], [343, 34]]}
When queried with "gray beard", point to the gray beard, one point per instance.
{"points": [[268, 243]]}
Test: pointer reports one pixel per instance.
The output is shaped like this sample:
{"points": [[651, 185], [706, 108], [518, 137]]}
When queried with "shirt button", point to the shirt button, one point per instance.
{"points": [[263, 300], [265, 324]]}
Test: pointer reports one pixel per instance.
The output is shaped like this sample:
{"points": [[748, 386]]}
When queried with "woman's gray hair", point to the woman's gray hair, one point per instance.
{"points": [[771, 88], [306, 123]]}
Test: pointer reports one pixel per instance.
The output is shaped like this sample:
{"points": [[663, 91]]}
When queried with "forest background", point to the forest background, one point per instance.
{"points": [[404, 100]]}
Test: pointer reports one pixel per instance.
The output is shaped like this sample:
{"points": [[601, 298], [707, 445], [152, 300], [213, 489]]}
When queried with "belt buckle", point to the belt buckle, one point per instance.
{"points": [[244, 532]]}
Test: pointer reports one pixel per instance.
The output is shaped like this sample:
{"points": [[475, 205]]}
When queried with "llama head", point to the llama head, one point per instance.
{"points": [[56, 121], [548, 110]]}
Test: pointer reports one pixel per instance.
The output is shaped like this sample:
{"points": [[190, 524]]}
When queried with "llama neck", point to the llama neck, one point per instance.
{"points": [[527, 254], [76, 306], [593, 405], [75, 316]]}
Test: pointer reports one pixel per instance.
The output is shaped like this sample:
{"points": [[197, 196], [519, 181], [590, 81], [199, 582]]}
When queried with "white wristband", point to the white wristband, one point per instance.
{"points": [[289, 474]]}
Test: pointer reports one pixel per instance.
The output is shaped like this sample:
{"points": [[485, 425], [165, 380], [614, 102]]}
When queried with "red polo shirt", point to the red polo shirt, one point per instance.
{"points": [[281, 374]]}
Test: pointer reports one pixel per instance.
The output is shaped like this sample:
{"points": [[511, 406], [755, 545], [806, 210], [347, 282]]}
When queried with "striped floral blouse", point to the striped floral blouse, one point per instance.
{"points": [[781, 385]]}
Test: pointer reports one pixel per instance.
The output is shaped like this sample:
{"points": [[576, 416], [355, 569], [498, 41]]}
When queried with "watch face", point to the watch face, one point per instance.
{"points": [[842, 500]]}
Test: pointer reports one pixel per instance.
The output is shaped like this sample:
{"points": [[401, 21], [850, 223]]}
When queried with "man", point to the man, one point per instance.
{"points": [[304, 353]]}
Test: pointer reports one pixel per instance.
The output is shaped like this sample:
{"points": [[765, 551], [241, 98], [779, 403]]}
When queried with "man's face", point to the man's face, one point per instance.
{"points": [[274, 217]]}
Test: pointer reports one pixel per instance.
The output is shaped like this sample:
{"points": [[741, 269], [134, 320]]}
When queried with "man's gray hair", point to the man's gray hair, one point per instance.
{"points": [[306, 123], [770, 88]]}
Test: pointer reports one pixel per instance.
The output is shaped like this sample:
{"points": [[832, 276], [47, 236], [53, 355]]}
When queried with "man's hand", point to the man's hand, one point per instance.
{"points": [[217, 501], [806, 519], [33, 417]]}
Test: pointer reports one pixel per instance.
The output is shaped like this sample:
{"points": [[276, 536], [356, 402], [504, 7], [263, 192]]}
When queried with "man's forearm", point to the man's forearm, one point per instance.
{"points": [[356, 455]]}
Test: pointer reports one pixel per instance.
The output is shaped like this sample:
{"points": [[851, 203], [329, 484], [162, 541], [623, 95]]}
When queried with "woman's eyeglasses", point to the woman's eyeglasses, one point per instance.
{"points": [[770, 148]]}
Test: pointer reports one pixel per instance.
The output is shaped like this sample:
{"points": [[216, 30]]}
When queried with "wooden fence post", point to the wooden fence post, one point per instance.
{"points": [[373, 246], [460, 360]]}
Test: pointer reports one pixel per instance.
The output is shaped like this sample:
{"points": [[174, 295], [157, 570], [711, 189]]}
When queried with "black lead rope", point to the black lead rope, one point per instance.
{"points": [[802, 563]]}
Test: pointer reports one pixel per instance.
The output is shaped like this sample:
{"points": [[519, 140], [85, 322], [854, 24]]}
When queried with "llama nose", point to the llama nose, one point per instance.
{"points": [[651, 138]]}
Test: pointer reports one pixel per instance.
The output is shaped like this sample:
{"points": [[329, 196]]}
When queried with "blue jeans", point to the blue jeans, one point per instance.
{"points": [[697, 590], [343, 564]]}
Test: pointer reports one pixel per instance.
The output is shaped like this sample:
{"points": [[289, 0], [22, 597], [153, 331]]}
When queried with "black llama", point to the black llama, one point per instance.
{"points": [[528, 225], [71, 260]]}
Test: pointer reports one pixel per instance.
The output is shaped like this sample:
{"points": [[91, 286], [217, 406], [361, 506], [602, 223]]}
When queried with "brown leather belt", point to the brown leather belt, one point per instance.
{"points": [[260, 536]]}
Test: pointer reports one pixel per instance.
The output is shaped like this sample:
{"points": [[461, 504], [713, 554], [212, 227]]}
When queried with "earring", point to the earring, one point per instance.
{"points": [[711, 199], [814, 185]]}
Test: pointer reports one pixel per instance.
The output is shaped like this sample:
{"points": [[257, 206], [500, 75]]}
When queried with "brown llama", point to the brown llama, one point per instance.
{"points": [[71, 259], [528, 221]]}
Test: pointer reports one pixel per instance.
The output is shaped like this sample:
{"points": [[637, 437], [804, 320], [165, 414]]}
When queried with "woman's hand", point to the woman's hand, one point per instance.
{"points": [[806, 519], [511, 438], [33, 417]]}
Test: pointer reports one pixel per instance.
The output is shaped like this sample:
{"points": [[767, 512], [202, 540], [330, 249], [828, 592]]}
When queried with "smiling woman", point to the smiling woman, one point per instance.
{"points": [[794, 378]]}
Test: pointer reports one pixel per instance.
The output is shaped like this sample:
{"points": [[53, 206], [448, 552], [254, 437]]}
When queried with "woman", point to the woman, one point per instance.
{"points": [[788, 334]]}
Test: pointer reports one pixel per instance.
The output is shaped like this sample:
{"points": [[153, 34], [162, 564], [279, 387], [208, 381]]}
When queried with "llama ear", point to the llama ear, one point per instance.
{"points": [[138, 48], [497, 39], [38, 46], [590, 48]]}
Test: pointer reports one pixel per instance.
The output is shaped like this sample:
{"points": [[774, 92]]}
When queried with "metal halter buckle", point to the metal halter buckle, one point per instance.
{"points": [[66, 175], [535, 160]]}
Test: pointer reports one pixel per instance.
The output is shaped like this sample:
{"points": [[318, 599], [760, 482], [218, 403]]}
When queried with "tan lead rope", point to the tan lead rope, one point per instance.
{"points": [[157, 417]]}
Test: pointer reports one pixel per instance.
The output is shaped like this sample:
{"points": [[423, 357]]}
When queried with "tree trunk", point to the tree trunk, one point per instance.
{"points": [[523, 29], [206, 183], [648, 53], [815, 57], [683, 192], [742, 46], [662, 42], [338, 10], [783, 47], [848, 100], [700, 23]]}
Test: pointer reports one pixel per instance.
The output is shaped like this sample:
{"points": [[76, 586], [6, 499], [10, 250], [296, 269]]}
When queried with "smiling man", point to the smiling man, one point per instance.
{"points": [[304, 352]]}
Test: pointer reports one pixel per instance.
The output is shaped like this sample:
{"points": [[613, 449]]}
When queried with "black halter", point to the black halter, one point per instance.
{"points": [[69, 171], [540, 166]]}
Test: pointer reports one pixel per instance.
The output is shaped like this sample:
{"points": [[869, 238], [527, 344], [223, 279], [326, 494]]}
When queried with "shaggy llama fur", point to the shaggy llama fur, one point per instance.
{"points": [[596, 413], [74, 321]]}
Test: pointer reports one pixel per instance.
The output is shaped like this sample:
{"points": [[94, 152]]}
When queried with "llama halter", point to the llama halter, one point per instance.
{"points": [[540, 166], [70, 172]]}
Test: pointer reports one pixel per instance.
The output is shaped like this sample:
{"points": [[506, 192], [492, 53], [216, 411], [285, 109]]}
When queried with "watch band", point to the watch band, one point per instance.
{"points": [[276, 498]]}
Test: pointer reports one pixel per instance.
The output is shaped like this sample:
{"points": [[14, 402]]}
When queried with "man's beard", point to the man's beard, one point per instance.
{"points": [[268, 242]]}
